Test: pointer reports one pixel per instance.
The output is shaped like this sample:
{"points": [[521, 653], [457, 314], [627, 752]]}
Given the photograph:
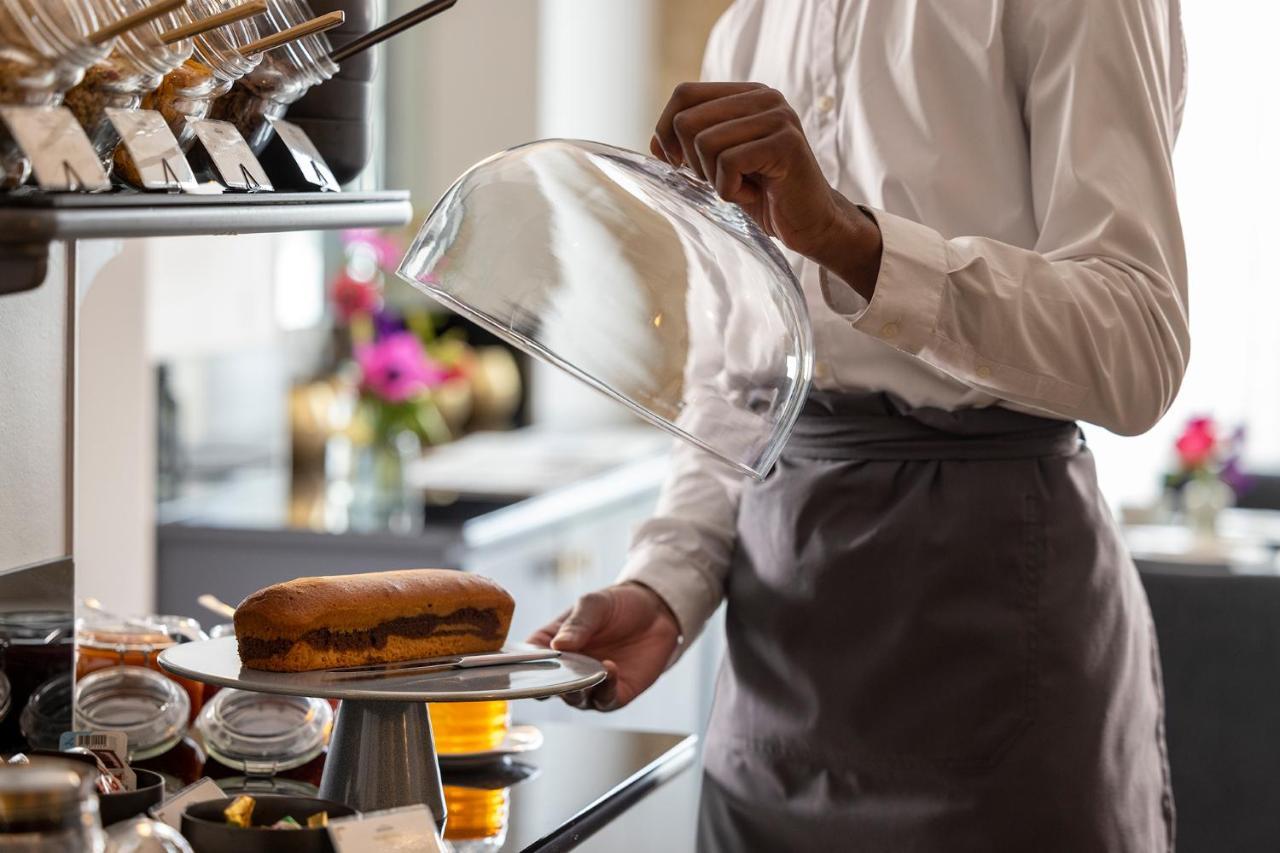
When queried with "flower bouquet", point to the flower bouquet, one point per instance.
{"points": [[1208, 474]]}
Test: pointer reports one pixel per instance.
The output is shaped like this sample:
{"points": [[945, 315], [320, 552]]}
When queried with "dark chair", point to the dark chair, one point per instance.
{"points": [[1219, 640]]}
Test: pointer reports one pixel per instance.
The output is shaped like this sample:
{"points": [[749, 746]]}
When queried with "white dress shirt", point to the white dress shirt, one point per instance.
{"points": [[1017, 156]]}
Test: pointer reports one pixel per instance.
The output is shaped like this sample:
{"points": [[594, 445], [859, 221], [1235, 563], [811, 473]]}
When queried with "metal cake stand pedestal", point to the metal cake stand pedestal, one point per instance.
{"points": [[381, 754]]}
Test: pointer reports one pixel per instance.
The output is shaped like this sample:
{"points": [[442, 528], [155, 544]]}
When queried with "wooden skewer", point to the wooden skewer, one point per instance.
{"points": [[137, 19], [230, 16], [315, 25]]}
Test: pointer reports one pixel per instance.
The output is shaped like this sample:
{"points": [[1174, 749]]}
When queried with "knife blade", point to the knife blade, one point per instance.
{"points": [[428, 665]]}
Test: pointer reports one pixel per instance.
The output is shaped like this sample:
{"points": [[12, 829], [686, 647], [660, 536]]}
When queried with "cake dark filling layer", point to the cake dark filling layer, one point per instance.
{"points": [[468, 620]]}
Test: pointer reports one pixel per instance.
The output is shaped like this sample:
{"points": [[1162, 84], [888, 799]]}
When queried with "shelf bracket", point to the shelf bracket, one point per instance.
{"points": [[23, 266]]}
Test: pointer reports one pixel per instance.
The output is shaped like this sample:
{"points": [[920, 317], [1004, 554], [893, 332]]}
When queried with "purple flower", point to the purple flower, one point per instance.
{"points": [[387, 323], [397, 368]]}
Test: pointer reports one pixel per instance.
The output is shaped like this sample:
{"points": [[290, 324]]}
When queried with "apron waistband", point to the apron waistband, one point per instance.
{"points": [[853, 426]]}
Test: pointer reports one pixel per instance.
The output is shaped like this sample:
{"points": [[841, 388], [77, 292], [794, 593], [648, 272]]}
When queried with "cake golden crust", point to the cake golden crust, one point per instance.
{"points": [[359, 602], [348, 620]]}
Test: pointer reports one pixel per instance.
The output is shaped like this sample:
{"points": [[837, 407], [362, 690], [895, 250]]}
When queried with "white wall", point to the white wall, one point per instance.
{"points": [[115, 430], [33, 452]]}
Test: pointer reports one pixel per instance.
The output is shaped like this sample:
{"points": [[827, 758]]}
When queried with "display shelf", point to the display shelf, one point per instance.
{"points": [[30, 222]]}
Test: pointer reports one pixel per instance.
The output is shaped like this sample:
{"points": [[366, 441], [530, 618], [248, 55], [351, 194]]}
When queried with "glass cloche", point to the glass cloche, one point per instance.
{"points": [[634, 277]]}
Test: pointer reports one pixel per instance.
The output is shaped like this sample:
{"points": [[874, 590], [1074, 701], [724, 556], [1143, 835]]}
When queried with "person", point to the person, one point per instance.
{"points": [[935, 638]]}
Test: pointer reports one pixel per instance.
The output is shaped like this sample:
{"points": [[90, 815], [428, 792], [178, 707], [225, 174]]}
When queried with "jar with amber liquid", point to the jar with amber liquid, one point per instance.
{"points": [[477, 818], [102, 642], [463, 728]]}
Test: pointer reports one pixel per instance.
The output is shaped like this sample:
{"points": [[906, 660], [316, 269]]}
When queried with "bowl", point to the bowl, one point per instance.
{"points": [[126, 804], [205, 826]]}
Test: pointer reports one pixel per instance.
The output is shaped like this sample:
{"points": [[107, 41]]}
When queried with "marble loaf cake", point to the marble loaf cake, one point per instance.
{"points": [[382, 617]]}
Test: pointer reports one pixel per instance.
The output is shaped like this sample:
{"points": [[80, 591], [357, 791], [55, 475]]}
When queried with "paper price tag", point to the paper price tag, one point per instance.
{"points": [[202, 790], [112, 749], [410, 828], [155, 152], [306, 156], [61, 156], [230, 155]]}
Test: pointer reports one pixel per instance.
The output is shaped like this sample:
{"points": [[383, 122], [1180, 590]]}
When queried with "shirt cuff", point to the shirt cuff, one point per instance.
{"points": [[692, 596], [904, 308]]}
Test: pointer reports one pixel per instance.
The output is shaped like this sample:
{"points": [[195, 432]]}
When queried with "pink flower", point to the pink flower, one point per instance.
{"points": [[354, 297], [1198, 443], [397, 368]]}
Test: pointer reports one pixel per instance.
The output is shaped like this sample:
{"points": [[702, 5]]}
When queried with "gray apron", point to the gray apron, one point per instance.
{"points": [[936, 642]]}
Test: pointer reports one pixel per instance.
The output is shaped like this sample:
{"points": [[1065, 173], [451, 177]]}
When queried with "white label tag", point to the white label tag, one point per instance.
{"points": [[231, 155], [313, 167], [200, 791], [112, 749], [410, 828], [61, 155], [154, 150]]}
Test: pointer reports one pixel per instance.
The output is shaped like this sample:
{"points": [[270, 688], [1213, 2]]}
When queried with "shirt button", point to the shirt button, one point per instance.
{"points": [[889, 330], [826, 104], [984, 371]]}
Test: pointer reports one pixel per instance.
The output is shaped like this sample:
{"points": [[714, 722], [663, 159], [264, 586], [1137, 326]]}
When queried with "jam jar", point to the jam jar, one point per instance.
{"points": [[284, 75], [104, 641], [47, 713], [151, 710], [188, 91], [135, 67], [45, 46], [36, 646], [257, 739], [49, 808]]}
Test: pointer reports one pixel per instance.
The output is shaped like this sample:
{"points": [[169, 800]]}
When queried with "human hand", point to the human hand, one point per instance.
{"points": [[628, 628], [749, 143]]}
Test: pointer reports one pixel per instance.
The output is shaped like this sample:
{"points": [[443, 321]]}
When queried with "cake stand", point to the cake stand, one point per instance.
{"points": [[381, 754]]}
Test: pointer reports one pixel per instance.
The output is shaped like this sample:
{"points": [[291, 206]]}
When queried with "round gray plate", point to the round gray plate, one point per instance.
{"points": [[218, 662]]}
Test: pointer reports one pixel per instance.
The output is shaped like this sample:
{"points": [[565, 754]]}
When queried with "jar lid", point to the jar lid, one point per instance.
{"points": [[98, 631], [36, 627], [142, 703], [44, 796], [635, 278], [262, 734], [47, 713]]}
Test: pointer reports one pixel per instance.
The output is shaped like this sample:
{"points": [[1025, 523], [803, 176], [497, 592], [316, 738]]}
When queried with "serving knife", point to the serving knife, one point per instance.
{"points": [[441, 664]]}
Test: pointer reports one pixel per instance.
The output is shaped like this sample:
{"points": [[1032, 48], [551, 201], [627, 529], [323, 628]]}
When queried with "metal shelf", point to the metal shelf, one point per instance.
{"points": [[29, 222]]}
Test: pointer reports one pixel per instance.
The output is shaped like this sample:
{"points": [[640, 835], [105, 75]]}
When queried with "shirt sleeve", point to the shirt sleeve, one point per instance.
{"points": [[1091, 322], [683, 552]]}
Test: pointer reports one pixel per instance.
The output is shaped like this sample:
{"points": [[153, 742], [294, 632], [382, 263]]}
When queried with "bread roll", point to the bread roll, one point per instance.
{"points": [[381, 617]]}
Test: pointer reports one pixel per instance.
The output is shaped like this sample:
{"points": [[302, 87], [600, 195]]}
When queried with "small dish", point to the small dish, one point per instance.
{"points": [[519, 739]]}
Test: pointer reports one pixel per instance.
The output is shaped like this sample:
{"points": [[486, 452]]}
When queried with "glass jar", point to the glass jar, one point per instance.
{"points": [[152, 712], [47, 713], [49, 808], [44, 50], [188, 91], [134, 68], [469, 727], [262, 736], [104, 642], [284, 75], [6, 695], [35, 646]]}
